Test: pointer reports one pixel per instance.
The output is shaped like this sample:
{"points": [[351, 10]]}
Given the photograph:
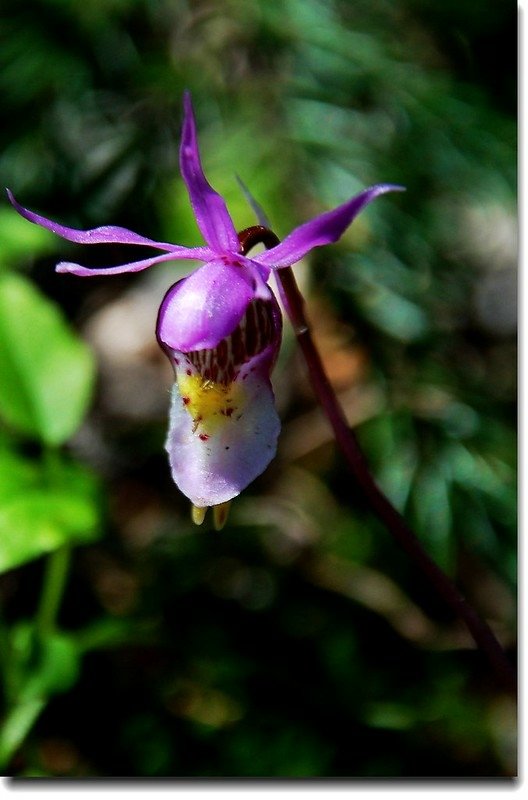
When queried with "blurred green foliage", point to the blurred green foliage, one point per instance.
{"points": [[299, 642], [47, 372]]}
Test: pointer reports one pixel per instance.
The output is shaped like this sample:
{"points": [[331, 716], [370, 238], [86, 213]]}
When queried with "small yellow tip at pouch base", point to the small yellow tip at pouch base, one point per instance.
{"points": [[220, 514], [198, 514]]}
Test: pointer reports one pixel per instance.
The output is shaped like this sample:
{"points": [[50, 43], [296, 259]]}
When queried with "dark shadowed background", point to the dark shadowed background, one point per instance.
{"points": [[299, 641]]}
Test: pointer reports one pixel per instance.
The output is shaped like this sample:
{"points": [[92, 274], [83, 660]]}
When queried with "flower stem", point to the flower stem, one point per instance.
{"points": [[376, 500], [54, 581], [57, 562], [16, 725], [24, 706]]}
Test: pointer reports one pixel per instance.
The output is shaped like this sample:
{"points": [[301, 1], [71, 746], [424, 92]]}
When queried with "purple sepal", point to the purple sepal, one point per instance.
{"points": [[321, 230], [107, 234], [209, 208]]}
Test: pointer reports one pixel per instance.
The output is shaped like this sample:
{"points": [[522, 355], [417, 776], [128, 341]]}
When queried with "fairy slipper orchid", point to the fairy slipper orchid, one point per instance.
{"points": [[221, 328]]}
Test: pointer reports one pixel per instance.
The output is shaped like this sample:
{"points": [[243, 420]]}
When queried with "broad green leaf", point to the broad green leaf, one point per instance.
{"points": [[37, 515], [40, 522], [17, 474], [47, 372]]}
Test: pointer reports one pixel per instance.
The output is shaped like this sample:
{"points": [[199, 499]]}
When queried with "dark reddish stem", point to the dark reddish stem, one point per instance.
{"points": [[376, 500]]}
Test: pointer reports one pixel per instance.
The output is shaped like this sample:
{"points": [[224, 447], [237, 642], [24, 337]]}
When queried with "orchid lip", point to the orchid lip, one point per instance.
{"points": [[224, 426]]}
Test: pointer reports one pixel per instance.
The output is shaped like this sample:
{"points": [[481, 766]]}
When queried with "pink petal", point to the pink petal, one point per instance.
{"points": [[196, 253], [107, 234], [201, 310], [321, 230], [214, 460], [209, 207]]}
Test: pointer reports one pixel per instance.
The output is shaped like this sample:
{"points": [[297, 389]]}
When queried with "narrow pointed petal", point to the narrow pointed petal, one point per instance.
{"points": [[107, 234], [321, 230], [196, 253], [209, 207], [204, 308], [213, 460]]}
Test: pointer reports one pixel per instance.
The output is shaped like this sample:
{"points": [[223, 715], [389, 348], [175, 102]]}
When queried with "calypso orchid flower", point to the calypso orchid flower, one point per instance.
{"points": [[221, 328]]}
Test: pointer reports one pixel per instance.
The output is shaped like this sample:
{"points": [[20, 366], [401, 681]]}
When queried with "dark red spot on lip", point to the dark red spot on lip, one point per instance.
{"points": [[258, 328], [186, 401], [189, 372], [204, 437]]}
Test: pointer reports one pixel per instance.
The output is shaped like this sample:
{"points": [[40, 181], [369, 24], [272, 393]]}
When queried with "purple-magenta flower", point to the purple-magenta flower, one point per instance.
{"points": [[221, 329]]}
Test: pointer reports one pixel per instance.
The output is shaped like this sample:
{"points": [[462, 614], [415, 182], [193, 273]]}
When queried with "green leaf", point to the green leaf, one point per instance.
{"points": [[16, 475], [48, 667], [47, 372], [37, 518]]}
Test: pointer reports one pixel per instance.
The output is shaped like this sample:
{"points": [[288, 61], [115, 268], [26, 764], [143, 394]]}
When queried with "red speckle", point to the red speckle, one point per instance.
{"points": [[186, 401], [189, 372], [203, 436]]}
